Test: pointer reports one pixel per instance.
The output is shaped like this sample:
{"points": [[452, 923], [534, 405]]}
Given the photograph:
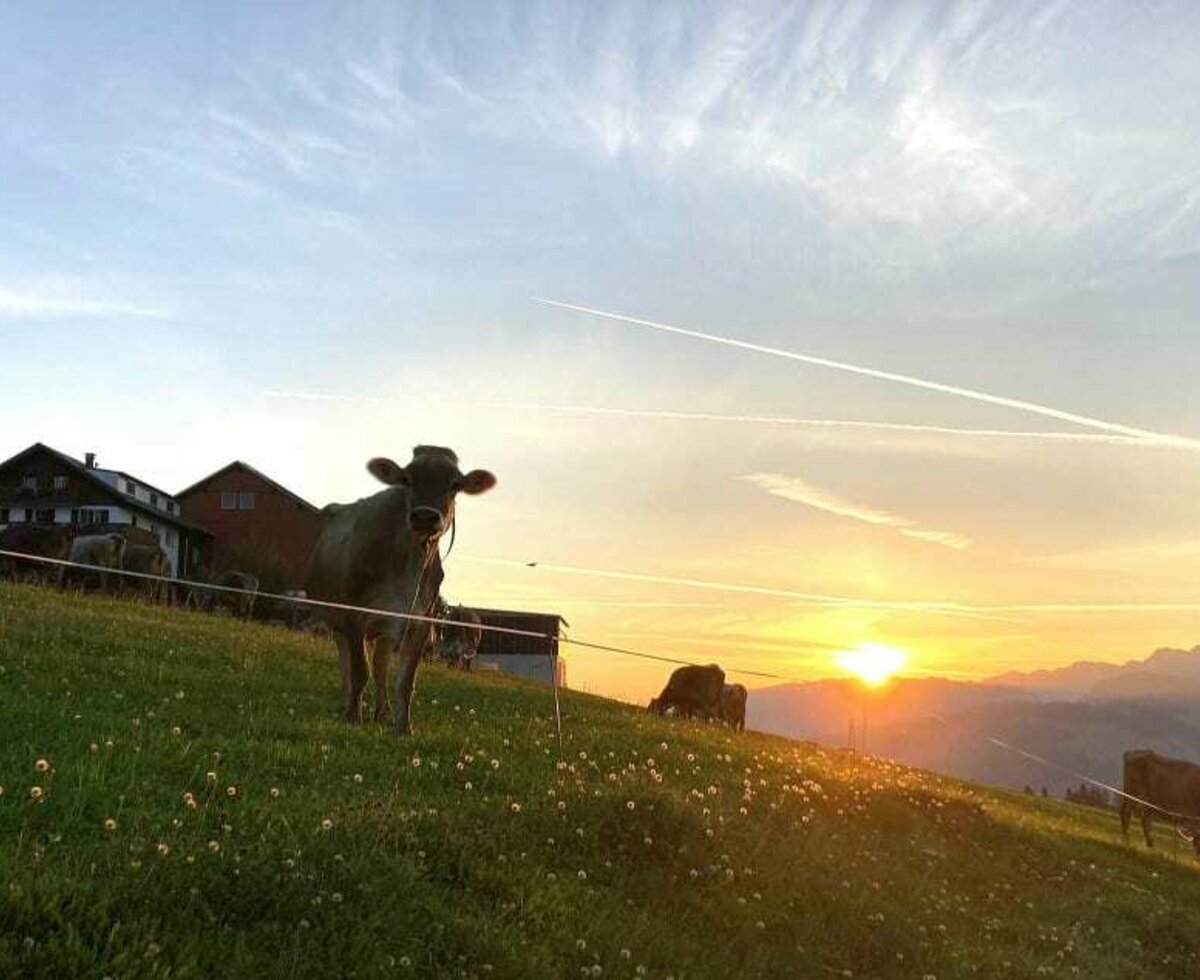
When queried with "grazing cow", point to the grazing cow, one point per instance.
{"points": [[458, 643], [101, 551], [239, 604], [1172, 784], [733, 706], [692, 690], [40, 540], [148, 559], [382, 553]]}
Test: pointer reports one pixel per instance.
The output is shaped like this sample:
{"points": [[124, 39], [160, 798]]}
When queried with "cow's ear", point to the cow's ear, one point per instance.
{"points": [[477, 481], [386, 471]]}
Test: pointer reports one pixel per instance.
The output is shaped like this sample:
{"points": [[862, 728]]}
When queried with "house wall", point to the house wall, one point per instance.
{"points": [[61, 492], [532, 666], [130, 485], [277, 529]]}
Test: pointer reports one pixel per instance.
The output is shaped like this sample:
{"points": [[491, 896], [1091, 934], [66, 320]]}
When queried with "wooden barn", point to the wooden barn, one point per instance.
{"points": [[41, 485], [522, 656], [259, 525]]}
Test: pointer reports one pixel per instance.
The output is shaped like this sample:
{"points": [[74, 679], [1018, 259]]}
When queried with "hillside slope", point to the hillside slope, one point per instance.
{"points": [[201, 814]]}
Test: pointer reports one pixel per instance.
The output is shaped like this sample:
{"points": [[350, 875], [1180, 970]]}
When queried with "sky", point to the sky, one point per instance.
{"points": [[305, 234]]}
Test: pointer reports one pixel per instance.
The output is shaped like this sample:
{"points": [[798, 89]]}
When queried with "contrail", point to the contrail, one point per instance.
{"points": [[931, 608], [979, 396], [1098, 607], [647, 413], [1000, 613]]}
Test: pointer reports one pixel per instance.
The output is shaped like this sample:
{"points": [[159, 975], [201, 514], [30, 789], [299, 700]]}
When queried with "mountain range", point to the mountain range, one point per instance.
{"points": [[1079, 718]]}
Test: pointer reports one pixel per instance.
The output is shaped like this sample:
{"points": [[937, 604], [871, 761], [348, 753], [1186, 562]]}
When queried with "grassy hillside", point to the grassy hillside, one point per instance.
{"points": [[204, 815]]}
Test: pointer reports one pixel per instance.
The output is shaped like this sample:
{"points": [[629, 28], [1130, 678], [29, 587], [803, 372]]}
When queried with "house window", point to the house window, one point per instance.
{"points": [[153, 500], [229, 501], [170, 506], [44, 516], [60, 483], [169, 537], [92, 515], [131, 488], [245, 501], [28, 516], [29, 482]]}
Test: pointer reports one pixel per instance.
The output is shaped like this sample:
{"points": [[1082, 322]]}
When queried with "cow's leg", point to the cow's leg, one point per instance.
{"points": [[380, 654], [1148, 825], [354, 674], [410, 653]]}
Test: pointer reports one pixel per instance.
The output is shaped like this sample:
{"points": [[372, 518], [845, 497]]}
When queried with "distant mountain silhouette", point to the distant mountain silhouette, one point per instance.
{"points": [[1083, 676], [1082, 717]]}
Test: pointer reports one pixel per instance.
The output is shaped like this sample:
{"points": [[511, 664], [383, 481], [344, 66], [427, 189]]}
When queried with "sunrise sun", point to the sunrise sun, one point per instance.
{"points": [[872, 663]]}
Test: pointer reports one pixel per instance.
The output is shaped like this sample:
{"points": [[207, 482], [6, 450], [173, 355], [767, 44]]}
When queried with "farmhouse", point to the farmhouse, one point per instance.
{"points": [[259, 525], [522, 656], [41, 485]]}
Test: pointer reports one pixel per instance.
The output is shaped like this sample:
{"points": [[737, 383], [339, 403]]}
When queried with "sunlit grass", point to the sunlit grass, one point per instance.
{"points": [[179, 800]]}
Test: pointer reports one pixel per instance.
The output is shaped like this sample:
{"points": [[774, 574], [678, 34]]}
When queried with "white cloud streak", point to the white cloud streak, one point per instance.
{"points": [[797, 490], [1001, 613], [63, 302], [929, 608], [1079, 437], [1085, 438], [1033, 408]]}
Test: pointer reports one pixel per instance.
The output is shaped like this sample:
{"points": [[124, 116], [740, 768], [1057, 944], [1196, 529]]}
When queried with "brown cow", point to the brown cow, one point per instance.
{"points": [[381, 552], [692, 690], [40, 540], [1172, 784], [215, 600], [733, 706], [101, 551], [457, 643], [240, 603], [148, 559]]}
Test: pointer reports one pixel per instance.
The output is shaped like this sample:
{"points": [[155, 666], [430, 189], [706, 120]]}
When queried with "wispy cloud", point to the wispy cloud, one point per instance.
{"points": [[1161, 554], [602, 411], [298, 151], [63, 300], [932, 608], [797, 490], [644, 413]]}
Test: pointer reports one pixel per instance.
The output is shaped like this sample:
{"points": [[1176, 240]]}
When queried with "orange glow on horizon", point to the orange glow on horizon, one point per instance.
{"points": [[872, 663]]}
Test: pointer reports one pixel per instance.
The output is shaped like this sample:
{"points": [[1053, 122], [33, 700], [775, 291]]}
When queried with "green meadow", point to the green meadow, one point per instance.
{"points": [[179, 801]]}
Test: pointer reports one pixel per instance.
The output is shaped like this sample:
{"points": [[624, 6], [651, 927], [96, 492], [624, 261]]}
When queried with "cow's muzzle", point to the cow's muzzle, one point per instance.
{"points": [[425, 520]]}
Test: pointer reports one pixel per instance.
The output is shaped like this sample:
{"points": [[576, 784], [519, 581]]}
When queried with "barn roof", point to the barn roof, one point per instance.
{"points": [[554, 618], [93, 477], [238, 464]]}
